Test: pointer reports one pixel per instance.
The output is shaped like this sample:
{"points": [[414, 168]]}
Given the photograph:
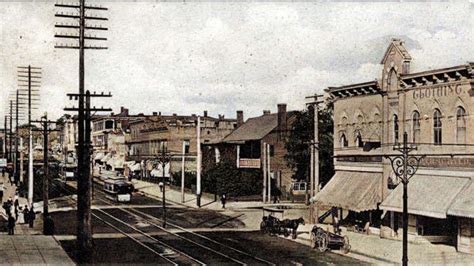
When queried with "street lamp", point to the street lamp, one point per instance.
{"points": [[164, 158], [404, 166]]}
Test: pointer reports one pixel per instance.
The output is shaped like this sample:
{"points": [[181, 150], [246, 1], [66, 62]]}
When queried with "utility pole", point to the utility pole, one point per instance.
{"points": [[47, 221], [5, 126], [11, 131], [84, 232], [164, 158], [33, 80], [269, 176], [405, 166], [314, 155], [198, 163], [183, 172], [264, 194]]}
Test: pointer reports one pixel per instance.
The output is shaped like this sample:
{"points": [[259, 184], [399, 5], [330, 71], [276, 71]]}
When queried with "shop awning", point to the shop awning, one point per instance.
{"points": [[155, 173], [119, 162], [135, 167], [357, 191], [106, 158], [110, 161], [463, 205], [99, 156], [427, 195]]}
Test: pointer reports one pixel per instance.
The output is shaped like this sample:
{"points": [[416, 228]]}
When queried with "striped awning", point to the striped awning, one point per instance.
{"points": [[357, 191], [428, 195]]}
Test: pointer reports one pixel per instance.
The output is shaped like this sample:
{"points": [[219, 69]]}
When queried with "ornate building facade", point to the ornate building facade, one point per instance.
{"points": [[435, 109]]}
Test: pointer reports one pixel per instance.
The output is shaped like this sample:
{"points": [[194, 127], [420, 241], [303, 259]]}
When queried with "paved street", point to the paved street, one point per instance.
{"points": [[192, 236]]}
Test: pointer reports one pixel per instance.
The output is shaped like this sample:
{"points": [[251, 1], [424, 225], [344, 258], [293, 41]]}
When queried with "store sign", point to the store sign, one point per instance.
{"points": [[447, 162], [437, 91]]}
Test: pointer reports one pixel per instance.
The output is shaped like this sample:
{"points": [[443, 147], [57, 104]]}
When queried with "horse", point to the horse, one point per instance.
{"points": [[292, 224]]}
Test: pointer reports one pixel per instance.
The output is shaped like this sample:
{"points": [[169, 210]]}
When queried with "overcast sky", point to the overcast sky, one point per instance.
{"points": [[188, 57]]}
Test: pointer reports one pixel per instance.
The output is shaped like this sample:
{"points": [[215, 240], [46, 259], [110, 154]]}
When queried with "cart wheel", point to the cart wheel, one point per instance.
{"points": [[286, 233], [313, 240], [346, 247], [322, 242]]}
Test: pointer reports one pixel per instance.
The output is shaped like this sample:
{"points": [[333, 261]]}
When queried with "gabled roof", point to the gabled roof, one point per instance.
{"points": [[256, 128], [398, 45]]}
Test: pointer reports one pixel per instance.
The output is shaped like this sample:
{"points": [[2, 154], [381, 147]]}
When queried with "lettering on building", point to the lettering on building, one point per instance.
{"points": [[437, 91]]}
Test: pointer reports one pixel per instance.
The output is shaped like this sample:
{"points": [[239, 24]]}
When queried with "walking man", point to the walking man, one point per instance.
{"points": [[11, 225], [31, 216], [2, 188], [16, 204], [161, 186], [223, 200], [26, 215]]}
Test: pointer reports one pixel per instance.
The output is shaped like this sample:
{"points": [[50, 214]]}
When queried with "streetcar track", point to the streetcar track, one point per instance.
{"points": [[144, 234]]}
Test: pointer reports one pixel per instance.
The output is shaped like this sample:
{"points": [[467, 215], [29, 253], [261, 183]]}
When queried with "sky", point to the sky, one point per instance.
{"points": [[184, 58]]}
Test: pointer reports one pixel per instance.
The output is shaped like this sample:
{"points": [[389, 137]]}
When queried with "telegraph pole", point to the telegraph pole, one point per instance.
{"points": [[164, 158], [84, 232], [33, 80], [314, 154], [198, 163], [47, 221]]}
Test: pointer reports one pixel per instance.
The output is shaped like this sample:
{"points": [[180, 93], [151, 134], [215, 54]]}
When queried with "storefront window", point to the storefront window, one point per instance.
{"points": [[437, 127], [460, 125], [416, 126]]}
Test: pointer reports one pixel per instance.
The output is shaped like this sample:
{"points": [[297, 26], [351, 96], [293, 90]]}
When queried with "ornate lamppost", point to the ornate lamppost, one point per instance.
{"points": [[405, 166], [164, 158]]}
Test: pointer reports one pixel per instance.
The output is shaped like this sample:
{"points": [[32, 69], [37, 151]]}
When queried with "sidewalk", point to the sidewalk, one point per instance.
{"points": [[28, 245]]}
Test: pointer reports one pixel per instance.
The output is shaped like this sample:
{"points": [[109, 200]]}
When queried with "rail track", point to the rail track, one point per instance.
{"points": [[173, 247]]}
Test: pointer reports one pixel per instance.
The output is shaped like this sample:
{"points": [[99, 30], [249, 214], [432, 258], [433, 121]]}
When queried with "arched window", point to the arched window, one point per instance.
{"points": [[343, 141], [358, 140], [416, 126], [437, 127], [460, 125], [395, 128]]}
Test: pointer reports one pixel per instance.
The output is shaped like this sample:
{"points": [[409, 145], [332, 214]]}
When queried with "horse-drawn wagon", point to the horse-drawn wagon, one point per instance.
{"points": [[274, 226], [323, 240]]}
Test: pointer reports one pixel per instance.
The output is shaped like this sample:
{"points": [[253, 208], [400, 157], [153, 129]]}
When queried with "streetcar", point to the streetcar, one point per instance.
{"points": [[119, 190]]}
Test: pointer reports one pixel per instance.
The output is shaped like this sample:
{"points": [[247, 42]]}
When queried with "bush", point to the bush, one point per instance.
{"points": [[226, 178]]}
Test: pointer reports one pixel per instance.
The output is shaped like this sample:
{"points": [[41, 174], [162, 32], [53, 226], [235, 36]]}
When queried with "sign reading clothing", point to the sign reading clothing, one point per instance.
{"points": [[437, 91]]}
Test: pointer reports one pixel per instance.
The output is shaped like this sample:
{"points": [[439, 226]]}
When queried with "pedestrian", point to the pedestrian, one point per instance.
{"points": [[11, 225], [161, 186], [223, 200], [3, 172], [31, 216], [8, 206], [2, 188], [16, 204], [26, 215]]}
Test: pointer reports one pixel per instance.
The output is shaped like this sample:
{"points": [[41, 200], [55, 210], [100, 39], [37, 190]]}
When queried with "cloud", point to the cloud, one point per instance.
{"points": [[189, 57]]}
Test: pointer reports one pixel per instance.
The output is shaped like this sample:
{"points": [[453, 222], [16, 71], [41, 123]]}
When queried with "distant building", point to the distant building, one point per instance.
{"points": [[435, 108], [175, 134]]}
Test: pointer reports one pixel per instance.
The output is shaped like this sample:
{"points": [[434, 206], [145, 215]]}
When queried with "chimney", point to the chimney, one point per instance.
{"points": [[123, 111], [159, 113], [174, 114], [266, 112], [240, 118], [282, 126], [155, 113], [205, 113]]}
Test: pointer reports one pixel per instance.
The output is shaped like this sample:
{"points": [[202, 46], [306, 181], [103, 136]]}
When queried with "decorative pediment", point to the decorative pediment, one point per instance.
{"points": [[396, 46]]}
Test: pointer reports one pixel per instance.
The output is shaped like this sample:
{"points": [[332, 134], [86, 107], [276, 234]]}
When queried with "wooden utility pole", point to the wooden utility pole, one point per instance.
{"points": [[30, 77], [84, 231], [46, 219], [264, 193], [199, 160], [314, 158], [183, 172]]}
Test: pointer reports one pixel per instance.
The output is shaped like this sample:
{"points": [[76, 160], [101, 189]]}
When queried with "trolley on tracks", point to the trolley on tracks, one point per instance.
{"points": [[323, 240], [119, 190]]}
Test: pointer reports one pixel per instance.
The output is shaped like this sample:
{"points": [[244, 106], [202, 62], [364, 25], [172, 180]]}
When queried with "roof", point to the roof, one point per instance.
{"points": [[398, 45], [464, 204], [357, 191], [428, 195], [255, 128]]}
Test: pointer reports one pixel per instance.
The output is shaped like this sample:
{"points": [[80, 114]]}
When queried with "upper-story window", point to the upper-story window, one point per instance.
{"points": [[186, 146], [460, 125], [109, 124], [437, 127], [343, 141], [395, 128], [416, 126]]}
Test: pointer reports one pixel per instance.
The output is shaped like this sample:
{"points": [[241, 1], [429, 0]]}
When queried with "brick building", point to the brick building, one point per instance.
{"points": [[435, 108], [176, 134]]}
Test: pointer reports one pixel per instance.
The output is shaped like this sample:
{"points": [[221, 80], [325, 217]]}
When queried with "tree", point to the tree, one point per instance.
{"points": [[298, 155], [225, 177]]}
